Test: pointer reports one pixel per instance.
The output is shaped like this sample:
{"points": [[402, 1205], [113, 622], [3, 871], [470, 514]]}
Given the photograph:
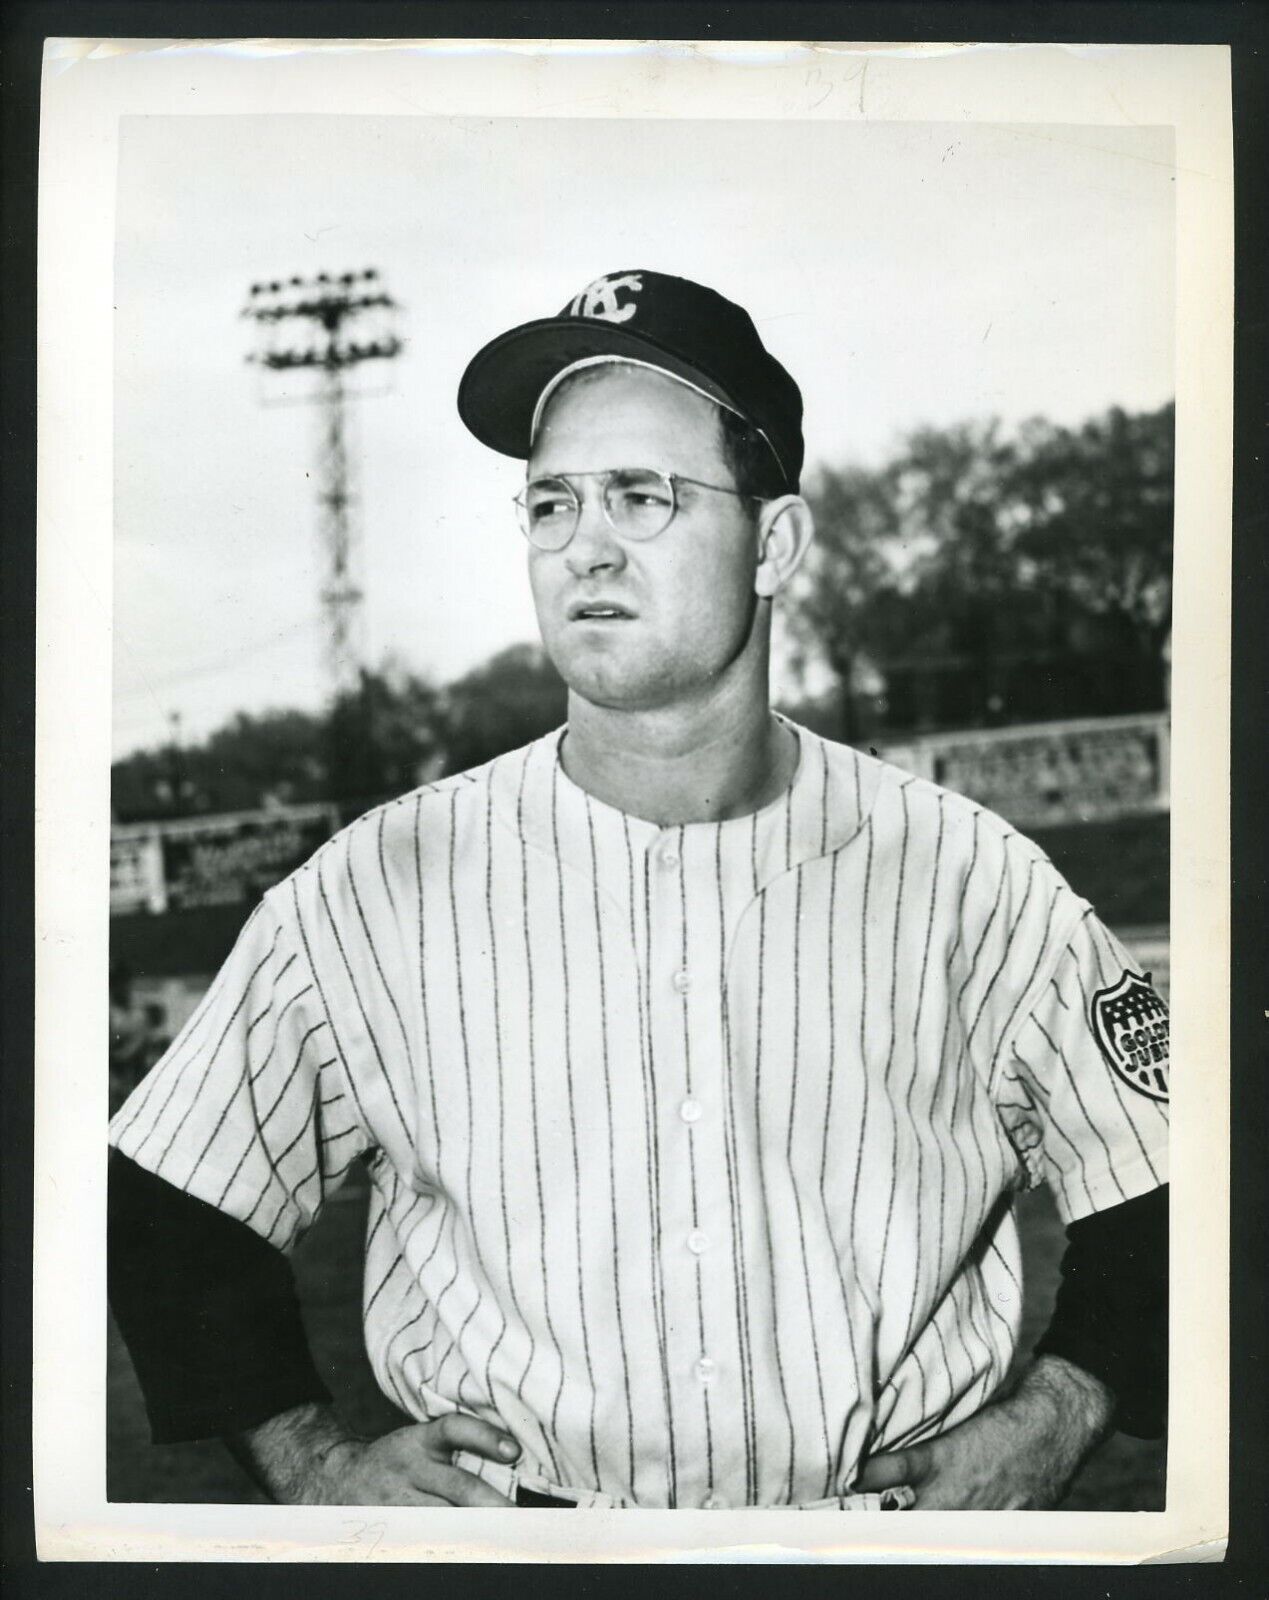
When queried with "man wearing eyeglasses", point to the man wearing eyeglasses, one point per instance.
{"points": [[694, 1059]]}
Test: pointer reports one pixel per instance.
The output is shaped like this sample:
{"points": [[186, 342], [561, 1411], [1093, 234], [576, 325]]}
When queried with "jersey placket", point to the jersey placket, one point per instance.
{"points": [[684, 1013]]}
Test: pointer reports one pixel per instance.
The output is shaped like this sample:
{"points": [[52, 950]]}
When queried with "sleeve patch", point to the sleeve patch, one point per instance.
{"points": [[1130, 1024]]}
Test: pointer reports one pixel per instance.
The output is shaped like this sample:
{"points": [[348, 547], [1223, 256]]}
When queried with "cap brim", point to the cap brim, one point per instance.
{"points": [[500, 388]]}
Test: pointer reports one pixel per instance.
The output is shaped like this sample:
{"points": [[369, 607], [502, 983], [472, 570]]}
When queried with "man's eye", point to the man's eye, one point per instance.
{"points": [[638, 492], [548, 502]]}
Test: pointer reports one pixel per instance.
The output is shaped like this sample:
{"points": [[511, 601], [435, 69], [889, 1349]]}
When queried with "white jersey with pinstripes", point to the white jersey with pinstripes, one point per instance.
{"points": [[691, 1149]]}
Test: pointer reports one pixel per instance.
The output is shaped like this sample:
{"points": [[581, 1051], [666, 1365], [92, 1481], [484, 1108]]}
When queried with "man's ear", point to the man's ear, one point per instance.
{"points": [[785, 530]]}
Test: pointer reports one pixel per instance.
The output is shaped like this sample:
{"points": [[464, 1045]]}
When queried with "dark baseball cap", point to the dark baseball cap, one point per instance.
{"points": [[681, 327]]}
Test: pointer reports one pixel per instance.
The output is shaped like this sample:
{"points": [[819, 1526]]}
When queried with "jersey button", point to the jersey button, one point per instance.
{"points": [[690, 1110], [711, 1502], [697, 1242], [682, 980], [707, 1369], [670, 860]]}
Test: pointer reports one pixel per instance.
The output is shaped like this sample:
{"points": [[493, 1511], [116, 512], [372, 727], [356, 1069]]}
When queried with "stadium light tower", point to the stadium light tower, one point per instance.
{"points": [[328, 324]]}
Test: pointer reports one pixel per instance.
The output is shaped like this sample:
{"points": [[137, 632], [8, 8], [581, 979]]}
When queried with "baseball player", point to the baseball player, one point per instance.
{"points": [[694, 1060]]}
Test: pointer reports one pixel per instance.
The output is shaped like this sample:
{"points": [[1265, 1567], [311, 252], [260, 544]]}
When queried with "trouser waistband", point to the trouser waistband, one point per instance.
{"points": [[528, 1489], [887, 1500]]}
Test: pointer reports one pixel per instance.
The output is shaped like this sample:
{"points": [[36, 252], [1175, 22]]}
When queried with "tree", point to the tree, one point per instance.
{"points": [[1098, 504], [276, 753], [842, 602], [383, 735], [514, 697], [372, 742], [993, 576]]}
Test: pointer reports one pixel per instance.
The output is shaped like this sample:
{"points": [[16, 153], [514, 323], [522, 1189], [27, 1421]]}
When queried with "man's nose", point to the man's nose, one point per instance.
{"points": [[594, 546]]}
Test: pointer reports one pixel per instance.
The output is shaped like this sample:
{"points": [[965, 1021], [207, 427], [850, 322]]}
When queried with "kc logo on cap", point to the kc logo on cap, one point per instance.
{"points": [[689, 331], [599, 299]]}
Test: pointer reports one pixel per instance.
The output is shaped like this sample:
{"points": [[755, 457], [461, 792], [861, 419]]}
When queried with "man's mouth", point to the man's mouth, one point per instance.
{"points": [[597, 611]]}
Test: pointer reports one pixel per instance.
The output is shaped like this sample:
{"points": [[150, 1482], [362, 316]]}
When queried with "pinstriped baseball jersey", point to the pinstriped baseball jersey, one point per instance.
{"points": [[691, 1148]]}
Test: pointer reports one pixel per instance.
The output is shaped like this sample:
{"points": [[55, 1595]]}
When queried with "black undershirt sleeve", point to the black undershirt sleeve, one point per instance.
{"points": [[207, 1309], [1111, 1315]]}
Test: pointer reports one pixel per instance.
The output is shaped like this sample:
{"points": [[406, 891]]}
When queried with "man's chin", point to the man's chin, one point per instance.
{"points": [[610, 688], [596, 674], [610, 697]]}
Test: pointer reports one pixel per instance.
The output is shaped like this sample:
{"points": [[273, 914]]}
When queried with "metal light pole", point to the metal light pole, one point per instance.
{"points": [[327, 324]]}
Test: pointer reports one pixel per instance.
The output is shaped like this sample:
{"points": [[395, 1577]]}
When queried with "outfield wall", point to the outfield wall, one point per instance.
{"points": [[1047, 773]]}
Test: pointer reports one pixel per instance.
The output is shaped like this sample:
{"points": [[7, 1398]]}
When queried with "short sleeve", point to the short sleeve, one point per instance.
{"points": [[1083, 1091], [250, 1110]]}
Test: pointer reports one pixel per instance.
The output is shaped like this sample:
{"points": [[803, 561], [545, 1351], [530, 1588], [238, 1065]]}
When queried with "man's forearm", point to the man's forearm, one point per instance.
{"points": [[291, 1455], [1018, 1453], [1079, 1408]]}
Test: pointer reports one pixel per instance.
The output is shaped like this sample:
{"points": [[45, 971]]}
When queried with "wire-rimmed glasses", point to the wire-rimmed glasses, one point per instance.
{"points": [[638, 503]]}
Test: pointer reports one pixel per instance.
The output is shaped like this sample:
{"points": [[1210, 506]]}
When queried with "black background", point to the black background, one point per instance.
{"points": [[1246, 1571]]}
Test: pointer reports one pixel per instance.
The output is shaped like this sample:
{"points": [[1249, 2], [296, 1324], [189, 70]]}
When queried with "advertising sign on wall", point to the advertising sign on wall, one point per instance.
{"points": [[1052, 772], [136, 872], [212, 861]]}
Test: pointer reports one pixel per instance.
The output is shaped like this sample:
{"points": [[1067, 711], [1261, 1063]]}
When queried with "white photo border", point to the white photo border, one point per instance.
{"points": [[88, 86]]}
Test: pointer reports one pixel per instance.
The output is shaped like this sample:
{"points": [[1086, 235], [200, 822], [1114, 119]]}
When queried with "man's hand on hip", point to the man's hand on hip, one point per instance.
{"points": [[307, 1457], [1018, 1454]]}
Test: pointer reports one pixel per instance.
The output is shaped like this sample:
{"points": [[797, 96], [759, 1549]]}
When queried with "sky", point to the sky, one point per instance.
{"points": [[905, 273]]}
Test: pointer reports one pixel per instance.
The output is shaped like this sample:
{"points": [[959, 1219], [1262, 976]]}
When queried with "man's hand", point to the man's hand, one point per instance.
{"points": [[1019, 1454], [307, 1457]]}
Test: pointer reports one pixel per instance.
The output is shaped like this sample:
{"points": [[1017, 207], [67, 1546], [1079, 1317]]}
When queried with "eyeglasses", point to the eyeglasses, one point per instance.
{"points": [[638, 503]]}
